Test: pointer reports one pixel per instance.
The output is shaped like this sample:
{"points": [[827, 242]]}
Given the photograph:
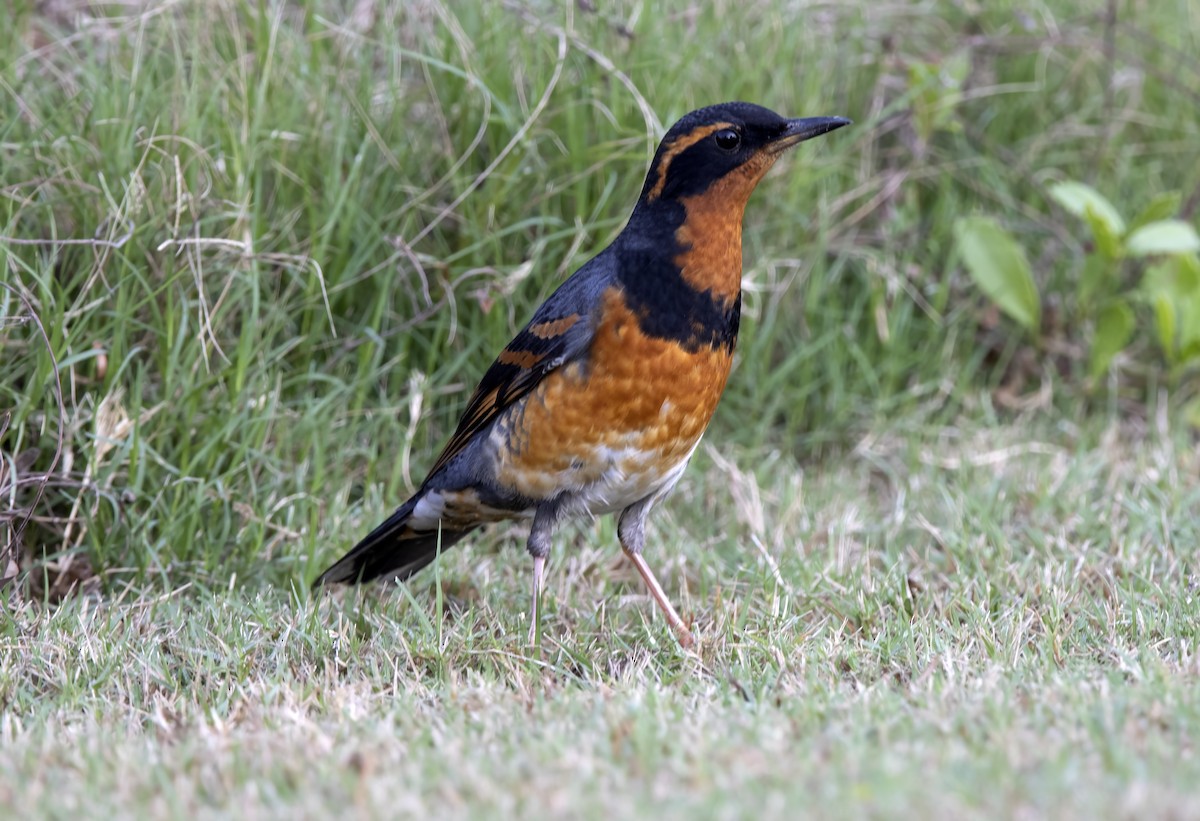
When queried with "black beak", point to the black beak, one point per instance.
{"points": [[806, 128]]}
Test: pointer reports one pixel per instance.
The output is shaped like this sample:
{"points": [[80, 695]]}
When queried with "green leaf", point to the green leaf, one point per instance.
{"points": [[1173, 289], [1161, 278], [1108, 241], [1079, 199], [1176, 278], [1164, 323], [1162, 206], [1163, 237], [998, 266], [1096, 279], [1188, 276], [1189, 267], [1189, 353], [1114, 329]]}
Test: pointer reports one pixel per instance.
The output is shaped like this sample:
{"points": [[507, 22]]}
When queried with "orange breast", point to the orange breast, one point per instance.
{"points": [[619, 424]]}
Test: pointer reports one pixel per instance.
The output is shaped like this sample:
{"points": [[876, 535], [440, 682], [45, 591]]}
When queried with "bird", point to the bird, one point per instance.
{"points": [[599, 401]]}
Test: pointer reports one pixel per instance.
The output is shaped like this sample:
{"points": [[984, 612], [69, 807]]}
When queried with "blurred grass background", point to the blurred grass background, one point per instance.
{"points": [[255, 254]]}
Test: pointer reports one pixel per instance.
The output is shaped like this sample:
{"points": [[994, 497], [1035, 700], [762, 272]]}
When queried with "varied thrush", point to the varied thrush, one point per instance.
{"points": [[598, 403]]}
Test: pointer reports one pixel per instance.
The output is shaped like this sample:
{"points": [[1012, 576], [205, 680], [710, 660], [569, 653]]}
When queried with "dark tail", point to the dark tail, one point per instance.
{"points": [[394, 549]]}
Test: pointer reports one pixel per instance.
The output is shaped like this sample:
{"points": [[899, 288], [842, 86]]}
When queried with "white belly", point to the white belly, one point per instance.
{"points": [[630, 475]]}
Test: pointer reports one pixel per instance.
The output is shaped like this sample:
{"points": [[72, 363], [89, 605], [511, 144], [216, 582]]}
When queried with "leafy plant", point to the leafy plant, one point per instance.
{"points": [[1168, 293], [999, 267]]}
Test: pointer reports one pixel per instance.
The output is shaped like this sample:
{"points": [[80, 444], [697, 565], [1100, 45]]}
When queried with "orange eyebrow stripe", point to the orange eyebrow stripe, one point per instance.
{"points": [[675, 149], [522, 359], [553, 328]]}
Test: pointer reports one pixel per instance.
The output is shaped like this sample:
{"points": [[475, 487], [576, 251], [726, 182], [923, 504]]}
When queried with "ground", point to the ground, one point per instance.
{"points": [[981, 624]]}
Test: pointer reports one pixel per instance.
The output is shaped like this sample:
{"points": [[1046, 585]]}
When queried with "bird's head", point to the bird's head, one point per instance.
{"points": [[732, 143]]}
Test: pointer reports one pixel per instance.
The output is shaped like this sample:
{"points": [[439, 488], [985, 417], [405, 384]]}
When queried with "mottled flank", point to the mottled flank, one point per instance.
{"points": [[455, 510]]}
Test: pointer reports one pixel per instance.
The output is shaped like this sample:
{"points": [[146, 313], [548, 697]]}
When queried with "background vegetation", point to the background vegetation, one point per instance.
{"points": [[253, 256]]}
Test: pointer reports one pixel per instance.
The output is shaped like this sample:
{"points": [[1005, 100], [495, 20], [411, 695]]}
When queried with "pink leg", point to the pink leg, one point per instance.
{"points": [[685, 636], [539, 566]]}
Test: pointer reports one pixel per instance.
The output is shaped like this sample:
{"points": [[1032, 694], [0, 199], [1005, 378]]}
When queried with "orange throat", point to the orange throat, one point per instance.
{"points": [[712, 232]]}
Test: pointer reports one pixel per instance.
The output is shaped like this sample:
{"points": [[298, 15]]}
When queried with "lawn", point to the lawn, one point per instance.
{"points": [[999, 622], [253, 257]]}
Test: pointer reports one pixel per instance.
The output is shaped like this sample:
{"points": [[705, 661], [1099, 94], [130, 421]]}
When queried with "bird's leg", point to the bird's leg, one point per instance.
{"points": [[631, 531], [539, 547], [539, 565], [681, 629]]}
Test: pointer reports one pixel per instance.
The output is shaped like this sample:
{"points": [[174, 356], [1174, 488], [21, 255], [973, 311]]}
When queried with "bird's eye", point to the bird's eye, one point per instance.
{"points": [[727, 139]]}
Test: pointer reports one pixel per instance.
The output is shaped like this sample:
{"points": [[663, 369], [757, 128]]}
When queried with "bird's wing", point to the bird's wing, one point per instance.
{"points": [[560, 332]]}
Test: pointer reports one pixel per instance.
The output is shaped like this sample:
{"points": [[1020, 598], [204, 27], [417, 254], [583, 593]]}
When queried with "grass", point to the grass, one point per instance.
{"points": [[1001, 622], [252, 257]]}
